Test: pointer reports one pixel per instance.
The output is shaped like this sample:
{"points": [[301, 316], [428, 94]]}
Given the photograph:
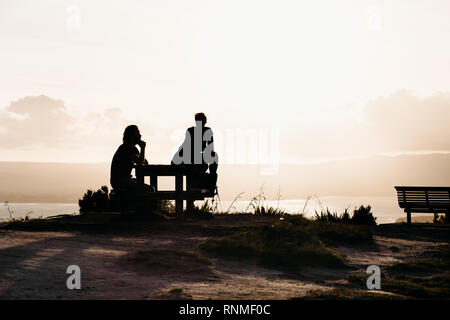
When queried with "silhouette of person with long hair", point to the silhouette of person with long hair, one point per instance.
{"points": [[197, 153], [126, 156]]}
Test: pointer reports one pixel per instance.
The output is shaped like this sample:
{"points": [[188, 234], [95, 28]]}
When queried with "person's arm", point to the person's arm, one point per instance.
{"points": [[141, 159]]}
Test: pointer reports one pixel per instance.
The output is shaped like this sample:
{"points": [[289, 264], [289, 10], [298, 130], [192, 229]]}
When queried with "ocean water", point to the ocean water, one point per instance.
{"points": [[36, 210], [385, 209]]}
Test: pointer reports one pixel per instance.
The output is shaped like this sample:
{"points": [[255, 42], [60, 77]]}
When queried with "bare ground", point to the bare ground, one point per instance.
{"points": [[33, 263]]}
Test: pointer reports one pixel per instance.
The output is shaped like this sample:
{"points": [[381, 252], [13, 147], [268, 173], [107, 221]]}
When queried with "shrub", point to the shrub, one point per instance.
{"points": [[97, 201], [362, 215], [103, 201]]}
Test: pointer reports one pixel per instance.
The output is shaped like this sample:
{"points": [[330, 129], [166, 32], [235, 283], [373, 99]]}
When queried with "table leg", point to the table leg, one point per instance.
{"points": [[178, 190], [154, 183], [189, 203]]}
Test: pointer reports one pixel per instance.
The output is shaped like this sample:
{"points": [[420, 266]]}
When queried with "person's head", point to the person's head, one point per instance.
{"points": [[131, 135], [200, 117]]}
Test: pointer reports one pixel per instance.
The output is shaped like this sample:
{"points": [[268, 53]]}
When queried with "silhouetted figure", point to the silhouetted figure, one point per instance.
{"points": [[197, 153], [126, 156]]}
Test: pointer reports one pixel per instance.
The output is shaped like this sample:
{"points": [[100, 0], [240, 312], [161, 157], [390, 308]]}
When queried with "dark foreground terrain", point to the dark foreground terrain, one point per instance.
{"points": [[239, 256]]}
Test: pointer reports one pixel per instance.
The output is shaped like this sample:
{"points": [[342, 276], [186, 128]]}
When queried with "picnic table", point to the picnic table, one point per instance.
{"points": [[179, 194]]}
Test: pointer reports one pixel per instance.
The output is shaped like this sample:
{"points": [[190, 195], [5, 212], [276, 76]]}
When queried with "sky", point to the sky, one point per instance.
{"points": [[302, 81]]}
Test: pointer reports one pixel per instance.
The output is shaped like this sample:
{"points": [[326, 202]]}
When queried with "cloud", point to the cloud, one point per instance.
{"points": [[44, 129], [44, 122], [403, 121], [40, 128], [400, 122], [35, 121]]}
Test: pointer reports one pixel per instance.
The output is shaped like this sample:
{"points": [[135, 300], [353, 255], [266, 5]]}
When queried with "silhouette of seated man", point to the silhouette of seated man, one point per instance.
{"points": [[126, 156], [197, 153]]}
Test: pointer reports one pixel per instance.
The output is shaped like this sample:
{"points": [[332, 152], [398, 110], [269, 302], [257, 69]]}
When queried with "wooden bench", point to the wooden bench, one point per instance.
{"points": [[179, 195], [423, 200]]}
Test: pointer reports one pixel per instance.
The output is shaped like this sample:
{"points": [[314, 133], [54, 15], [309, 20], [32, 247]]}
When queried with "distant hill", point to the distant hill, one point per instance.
{"points": [[374, 176]]}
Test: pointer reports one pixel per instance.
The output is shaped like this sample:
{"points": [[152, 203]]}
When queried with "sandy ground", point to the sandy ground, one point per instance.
{"points": [[33, 266]]}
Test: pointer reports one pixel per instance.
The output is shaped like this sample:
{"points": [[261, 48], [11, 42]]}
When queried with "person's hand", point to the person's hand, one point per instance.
{"points": [[142, 144]]}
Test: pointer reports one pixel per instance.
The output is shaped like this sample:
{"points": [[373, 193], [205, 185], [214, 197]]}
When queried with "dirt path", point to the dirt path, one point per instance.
{"points": [[33, 266]]}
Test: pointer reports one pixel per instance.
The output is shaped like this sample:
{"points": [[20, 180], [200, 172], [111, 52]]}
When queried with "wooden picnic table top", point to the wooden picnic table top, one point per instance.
{"points": [[162, 170]]}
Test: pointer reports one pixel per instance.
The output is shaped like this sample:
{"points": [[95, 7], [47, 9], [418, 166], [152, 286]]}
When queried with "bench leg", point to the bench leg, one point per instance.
{"points": [[179, 188], [408, 217]]}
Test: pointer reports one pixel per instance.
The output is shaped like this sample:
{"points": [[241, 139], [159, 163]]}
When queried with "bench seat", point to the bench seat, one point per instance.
{"points": [[172, 195]]}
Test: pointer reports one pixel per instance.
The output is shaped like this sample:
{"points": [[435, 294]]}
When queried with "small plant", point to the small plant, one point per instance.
{"points": [[8, 207], [257, 206], [255, 202], [364, 216], [235, 199], [11, 212], [443, 218]]}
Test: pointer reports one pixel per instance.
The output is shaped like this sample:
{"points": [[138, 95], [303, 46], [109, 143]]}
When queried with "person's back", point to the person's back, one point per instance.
{"points": [[199, 143], [124, 159], [122, 165]]}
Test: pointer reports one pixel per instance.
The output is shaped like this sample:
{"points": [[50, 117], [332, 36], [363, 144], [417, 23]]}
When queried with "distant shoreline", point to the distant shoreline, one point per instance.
{"points": [[384, 208]]}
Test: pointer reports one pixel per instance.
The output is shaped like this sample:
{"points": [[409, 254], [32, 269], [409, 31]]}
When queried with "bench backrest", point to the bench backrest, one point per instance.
{"points": [[423, 197]]}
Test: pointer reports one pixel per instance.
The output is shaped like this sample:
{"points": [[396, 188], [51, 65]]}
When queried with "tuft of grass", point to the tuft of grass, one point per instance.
{"points": [[257, 206], [427, 277], [22, 222], [290, 243], [337, 233], [361, 216], [269, 211], [344, 293], [175, 294], [206, 210], [326, 215], [171, 261], [432, 262]]}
